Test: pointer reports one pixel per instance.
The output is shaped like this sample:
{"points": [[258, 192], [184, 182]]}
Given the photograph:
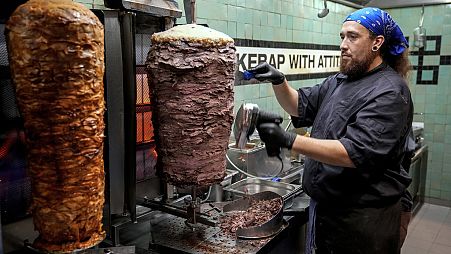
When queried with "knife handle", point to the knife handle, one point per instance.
{"points": [[247, 75]]}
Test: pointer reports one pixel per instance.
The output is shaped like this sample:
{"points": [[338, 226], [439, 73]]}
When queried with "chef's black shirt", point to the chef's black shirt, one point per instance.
{"points": [[371, 116]]}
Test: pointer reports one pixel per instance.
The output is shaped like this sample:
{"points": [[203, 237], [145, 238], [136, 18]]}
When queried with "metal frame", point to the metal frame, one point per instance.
{"points": [[114, 117], [129, 62], [120, 97], [120, 208]]}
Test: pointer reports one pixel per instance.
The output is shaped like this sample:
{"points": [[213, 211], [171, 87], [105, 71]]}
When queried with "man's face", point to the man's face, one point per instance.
{"points": [[356, 53]]}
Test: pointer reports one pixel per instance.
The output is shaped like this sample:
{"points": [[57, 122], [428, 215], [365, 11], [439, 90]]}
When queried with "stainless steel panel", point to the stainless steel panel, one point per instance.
{"points": [[293, 175], [217, 190], [414, 173], [114, 91], [418, 171], [129, 61]]}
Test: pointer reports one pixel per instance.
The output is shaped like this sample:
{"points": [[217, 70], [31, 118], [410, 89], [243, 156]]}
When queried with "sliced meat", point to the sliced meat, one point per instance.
{"points": [[191, 70]]}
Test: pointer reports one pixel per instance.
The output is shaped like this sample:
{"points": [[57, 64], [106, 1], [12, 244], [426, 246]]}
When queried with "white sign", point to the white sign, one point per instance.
{"points": [[290, 61]]}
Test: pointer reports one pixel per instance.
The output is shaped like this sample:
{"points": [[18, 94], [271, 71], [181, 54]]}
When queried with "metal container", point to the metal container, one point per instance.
{"points": [[293, 175], [217, 190], [254, 160], [419, 37], [267, 229], [251, 186]]}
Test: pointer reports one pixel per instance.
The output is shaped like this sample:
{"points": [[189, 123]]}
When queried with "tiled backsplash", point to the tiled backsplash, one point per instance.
{"points": [[432, 98], [92, 4]]}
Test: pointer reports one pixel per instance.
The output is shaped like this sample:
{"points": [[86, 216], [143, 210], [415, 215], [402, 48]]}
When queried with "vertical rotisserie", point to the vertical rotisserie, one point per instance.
{"points": [[56, 52], [192, 70]]}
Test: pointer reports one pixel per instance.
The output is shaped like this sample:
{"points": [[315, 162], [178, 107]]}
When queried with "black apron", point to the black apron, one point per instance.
{"points": [[357, 230]]}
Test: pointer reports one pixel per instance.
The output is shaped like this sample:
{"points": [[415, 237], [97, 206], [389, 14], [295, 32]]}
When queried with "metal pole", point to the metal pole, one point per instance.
{"points": [[193, 11], [129, 58], [190, 11]]}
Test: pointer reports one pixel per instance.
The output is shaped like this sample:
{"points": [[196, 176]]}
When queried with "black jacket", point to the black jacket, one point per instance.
{"points": [[372, 118]]}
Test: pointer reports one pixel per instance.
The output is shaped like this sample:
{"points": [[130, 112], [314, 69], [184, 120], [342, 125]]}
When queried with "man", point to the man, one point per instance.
{"points": [[360, 118]]}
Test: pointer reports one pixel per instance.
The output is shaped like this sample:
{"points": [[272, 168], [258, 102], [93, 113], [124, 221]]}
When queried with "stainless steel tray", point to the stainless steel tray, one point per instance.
{"points": [[251, 186]]}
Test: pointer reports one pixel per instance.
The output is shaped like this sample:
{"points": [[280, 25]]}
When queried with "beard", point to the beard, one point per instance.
{"points": [[355, 68]]}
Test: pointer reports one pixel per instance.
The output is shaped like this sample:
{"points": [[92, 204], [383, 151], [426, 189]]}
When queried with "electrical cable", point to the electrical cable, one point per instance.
{"points": [[281, 168], [254, 176], [208, 196], [247, 174]]}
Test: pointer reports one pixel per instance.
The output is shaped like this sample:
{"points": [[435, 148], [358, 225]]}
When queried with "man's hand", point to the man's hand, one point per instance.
{"points": [[273, 135], [268, 117], [264, 71]]}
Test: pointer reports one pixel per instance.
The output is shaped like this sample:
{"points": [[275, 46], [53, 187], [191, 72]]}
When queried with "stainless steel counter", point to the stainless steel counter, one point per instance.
{"points": [[170, 235], [164, 233], [418, 172]]}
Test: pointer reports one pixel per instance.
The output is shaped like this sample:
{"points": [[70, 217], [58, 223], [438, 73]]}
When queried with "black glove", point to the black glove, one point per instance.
{"points": [[268, 117], [264, 71], [274, 136]]}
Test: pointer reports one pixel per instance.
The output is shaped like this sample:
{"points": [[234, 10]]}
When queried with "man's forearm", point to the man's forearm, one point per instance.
{"points": [[287, 97], [331, 152]]}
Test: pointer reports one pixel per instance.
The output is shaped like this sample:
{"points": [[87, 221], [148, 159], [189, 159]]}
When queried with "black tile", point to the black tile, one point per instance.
{"points": [[435, 73], [421, 51], [430, 67], [438, 41], [438, 44], [281, 44], [445, 60], [309, 76]]}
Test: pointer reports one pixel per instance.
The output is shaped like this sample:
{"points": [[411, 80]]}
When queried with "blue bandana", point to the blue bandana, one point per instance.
{"points": [[380, 23]]}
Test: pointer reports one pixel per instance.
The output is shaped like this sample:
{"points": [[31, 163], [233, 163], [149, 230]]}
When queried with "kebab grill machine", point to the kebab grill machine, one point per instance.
{"points": [[184, 83], [175, 112]]}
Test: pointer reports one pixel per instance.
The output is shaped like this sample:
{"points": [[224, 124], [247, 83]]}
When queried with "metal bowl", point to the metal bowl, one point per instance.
{"points": [[267, 229]]}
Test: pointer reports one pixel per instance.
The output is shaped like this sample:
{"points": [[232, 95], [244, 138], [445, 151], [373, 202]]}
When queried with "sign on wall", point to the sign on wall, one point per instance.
{"points": [[290, 61]]}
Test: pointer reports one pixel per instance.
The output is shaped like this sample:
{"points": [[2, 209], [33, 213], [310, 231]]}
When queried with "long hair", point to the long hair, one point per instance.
{"points": [[400, 64]]}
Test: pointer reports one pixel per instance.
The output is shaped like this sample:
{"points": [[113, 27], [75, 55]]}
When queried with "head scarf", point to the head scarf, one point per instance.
{"points": [[381, 23]]}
